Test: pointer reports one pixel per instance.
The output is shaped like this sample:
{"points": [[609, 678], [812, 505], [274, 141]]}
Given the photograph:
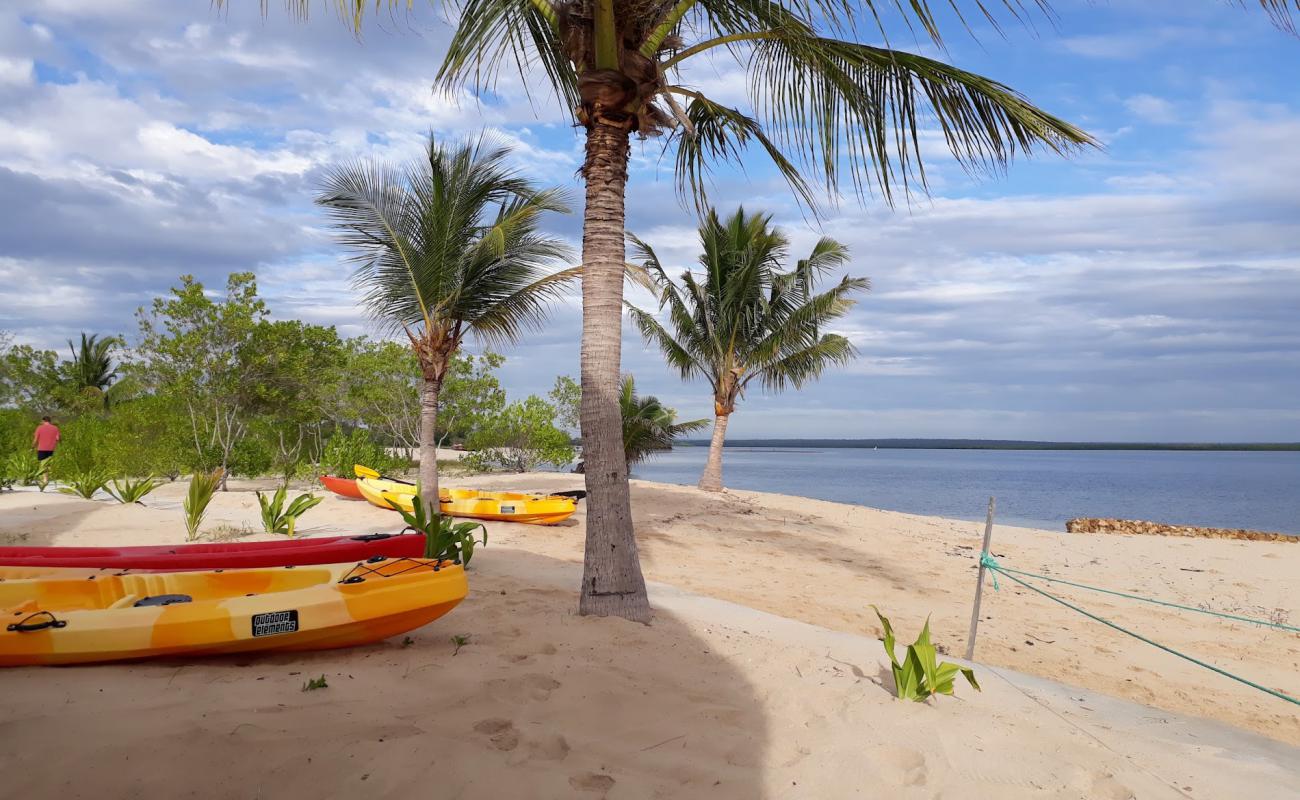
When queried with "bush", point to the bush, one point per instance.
{"points": [[127, 491], [85, 484], [520, 438], [278, 519], [919, 675], [444, 538], [346, 448]]}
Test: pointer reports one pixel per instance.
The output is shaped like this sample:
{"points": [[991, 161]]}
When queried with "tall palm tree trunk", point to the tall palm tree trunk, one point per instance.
{"points": [[711, 480], [612, 583], [429, 445]]}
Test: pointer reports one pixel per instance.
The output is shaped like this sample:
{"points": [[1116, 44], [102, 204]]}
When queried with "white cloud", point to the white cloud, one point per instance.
{"points": [[1150, 108]]}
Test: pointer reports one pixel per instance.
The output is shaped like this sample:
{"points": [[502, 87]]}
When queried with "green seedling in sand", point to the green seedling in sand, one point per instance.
{"points": [[85, 484], [460, 640], [444, 538], [407, 642], [128, 491], [202, 486], [314, 684], [25, 468], [278, 519], [919, 676]]}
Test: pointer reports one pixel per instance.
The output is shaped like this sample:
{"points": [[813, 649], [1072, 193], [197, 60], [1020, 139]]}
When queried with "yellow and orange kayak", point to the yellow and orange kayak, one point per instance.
{"points": [[474, 503], [116, 617]]}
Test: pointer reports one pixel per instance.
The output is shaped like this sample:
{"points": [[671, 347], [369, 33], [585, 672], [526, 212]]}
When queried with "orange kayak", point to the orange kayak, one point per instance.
{"points": [[184, 614], [344, 487]]}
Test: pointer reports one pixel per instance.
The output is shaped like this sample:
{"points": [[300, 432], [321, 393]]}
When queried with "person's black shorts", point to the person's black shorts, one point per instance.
{"points": [[41, 455]]}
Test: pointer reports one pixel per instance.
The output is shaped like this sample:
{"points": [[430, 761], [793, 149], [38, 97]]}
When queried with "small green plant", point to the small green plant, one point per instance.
{"points": [[278, 519], [127, 491], [460, 640], [444, 538], [920, 675], [85, 484], [25, 468], [407, 641], [314, 684], [203, 485]]}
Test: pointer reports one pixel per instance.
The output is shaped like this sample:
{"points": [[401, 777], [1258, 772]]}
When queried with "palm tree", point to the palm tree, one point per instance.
{"points": [[746, 319], [445, 248], [821, 102], [648, 425], [92, 366]]}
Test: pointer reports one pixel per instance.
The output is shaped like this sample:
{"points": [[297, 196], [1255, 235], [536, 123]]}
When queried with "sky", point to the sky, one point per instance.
{"points": [[1145, 291]]}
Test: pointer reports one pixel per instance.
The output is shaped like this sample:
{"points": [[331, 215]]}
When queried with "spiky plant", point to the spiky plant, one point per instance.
{"points": [[746, 318], [277, 518], [91, 367], [85, 484], [128, 491], [203, 485]]}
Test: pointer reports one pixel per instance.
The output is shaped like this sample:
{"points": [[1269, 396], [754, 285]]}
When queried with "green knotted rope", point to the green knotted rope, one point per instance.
{"points": [[993, 565], [988, 561]]}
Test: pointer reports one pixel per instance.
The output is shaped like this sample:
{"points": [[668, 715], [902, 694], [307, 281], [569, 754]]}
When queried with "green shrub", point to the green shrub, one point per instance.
{"points": [[126, 491], [346, 448], [278, 519], [252, 456], [85, 484], [202, 486], [444, 538], [520, 438], [919, 675], [25, 468]]}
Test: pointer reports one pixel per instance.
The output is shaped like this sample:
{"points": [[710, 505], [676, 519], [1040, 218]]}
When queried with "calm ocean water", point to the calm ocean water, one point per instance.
{"points": [[1040, 488]]}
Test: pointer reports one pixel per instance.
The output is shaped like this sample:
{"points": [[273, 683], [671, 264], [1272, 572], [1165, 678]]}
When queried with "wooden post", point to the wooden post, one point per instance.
{"points": [[979, 585]]}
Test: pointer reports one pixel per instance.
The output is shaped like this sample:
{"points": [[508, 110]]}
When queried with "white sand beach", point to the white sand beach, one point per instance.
{"points": [[760, 676]]}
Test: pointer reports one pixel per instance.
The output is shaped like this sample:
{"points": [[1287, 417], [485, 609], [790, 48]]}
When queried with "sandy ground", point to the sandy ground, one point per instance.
{"points": [[714, 699]]}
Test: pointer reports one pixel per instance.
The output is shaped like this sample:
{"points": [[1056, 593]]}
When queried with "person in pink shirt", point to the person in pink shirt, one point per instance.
{"points": [[45, 439]]}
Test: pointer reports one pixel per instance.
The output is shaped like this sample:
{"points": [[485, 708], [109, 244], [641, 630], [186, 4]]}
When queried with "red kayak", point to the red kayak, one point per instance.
{"points": [[168, 558], [345, 487]]}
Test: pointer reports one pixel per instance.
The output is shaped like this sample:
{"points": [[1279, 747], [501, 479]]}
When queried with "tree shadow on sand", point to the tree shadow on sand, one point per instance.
{"points": [[538, 703]]}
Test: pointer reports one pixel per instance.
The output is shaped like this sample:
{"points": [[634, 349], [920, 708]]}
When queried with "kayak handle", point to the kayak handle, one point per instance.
{"points": [[372, 537], [26, 626]]}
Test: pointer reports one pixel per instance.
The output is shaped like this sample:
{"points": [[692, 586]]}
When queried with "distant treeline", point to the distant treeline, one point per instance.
{"points": [[995, 444]]}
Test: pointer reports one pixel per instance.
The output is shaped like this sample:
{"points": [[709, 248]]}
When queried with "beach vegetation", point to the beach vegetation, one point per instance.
{"points": [[920, 675], [459, 640], [280, 518], [445, 539], [745, 317], [25, 468], [85, 484], [203, 485], [521, 437], [315, 683], [347, 448], [446, 248], [648, 425], [92, 370], [128, 490]]}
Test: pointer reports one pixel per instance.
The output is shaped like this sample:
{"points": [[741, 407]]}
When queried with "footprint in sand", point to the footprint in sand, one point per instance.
{"points": [[902, 767], [592, 782], [533, 686], [500, 732]]}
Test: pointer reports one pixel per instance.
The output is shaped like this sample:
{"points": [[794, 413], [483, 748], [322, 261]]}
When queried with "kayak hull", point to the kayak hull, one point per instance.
{"points": [[343, 487], [474, 503], [110, 618], [232, 555]]}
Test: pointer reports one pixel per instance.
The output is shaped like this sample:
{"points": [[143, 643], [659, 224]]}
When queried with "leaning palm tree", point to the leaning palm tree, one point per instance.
{"points": [[745, 318], [91, 368], [446, 248], [648, 425], [822, 106]]}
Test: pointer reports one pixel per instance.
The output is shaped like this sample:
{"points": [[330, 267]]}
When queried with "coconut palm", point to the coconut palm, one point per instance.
{"points": [[823, 106], [745, 318], [446, 248], [91, 369], [648, 425]]}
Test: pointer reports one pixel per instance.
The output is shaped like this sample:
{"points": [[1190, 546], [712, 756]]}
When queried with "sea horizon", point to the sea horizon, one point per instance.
{"points": [[991, 444], [1038, 488]]}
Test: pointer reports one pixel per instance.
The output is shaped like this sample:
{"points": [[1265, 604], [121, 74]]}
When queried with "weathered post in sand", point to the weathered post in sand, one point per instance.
{"points": [[979, 585]]}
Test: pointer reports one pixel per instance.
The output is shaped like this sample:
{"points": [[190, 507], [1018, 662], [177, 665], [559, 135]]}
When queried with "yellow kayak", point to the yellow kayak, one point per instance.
{"points": [[115, 617], [474, 503]]}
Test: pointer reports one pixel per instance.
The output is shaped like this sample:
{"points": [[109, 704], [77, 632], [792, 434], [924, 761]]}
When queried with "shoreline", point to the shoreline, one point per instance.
{"points": [[824, 563]]}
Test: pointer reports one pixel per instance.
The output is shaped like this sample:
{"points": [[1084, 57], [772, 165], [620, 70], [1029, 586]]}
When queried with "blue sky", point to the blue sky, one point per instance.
{"points": [[1147, 291]]}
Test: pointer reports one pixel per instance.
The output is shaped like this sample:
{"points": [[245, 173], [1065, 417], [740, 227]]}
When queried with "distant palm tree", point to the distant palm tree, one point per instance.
{"points": [[648, 425], [444, 248], [746, 319], [92, 366]]}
